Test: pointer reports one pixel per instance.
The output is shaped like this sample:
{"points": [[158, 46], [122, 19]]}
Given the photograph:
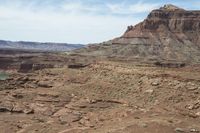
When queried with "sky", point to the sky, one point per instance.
{"points": [[75, 21]]}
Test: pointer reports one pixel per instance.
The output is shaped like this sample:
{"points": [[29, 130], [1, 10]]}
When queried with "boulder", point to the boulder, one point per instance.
{"points": [[45, 84]]}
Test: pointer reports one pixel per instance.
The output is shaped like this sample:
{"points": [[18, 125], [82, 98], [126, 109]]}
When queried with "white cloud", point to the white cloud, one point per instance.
{"points": [[124, 8], [78, 7], [72, 22], [143, 7]]}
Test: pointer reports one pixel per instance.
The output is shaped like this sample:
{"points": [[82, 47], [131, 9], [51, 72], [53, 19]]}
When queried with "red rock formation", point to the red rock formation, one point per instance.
{"points": [[168, 19], [167, 34]]}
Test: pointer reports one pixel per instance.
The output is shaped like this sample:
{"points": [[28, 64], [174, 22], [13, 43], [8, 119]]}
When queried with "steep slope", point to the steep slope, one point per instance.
{"points": [[168, 34], [22, 45]]}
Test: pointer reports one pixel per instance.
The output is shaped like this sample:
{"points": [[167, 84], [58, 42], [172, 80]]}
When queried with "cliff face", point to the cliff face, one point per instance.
{"points": [[168, 20], [167, 34]]}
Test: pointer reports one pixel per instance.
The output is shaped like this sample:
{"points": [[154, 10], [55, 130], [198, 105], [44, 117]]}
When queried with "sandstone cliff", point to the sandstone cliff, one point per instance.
{"points": [[169, 34]]}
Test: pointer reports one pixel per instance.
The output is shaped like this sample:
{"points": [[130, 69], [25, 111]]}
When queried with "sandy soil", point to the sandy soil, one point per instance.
{"points": [[104, 97]]}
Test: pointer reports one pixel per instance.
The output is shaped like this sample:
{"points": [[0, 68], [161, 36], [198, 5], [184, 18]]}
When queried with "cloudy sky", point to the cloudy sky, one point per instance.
{"points": [[75, 21]]}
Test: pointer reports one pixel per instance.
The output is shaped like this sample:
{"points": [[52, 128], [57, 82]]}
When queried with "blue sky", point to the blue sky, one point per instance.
{"points": [[77, 21]]}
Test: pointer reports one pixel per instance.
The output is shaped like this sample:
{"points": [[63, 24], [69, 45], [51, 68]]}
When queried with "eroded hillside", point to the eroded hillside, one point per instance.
{"points": [[169, 34]]}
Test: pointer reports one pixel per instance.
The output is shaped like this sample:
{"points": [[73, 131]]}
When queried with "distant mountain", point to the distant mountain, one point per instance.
{"points": [[23, 45], [168, 34]]}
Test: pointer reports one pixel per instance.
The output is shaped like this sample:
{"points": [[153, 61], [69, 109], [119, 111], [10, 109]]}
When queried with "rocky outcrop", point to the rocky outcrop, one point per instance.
{"points": [[28, 61], [168, 34], [28, 67], [170, 65], [77, 65], [168, 19]]}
